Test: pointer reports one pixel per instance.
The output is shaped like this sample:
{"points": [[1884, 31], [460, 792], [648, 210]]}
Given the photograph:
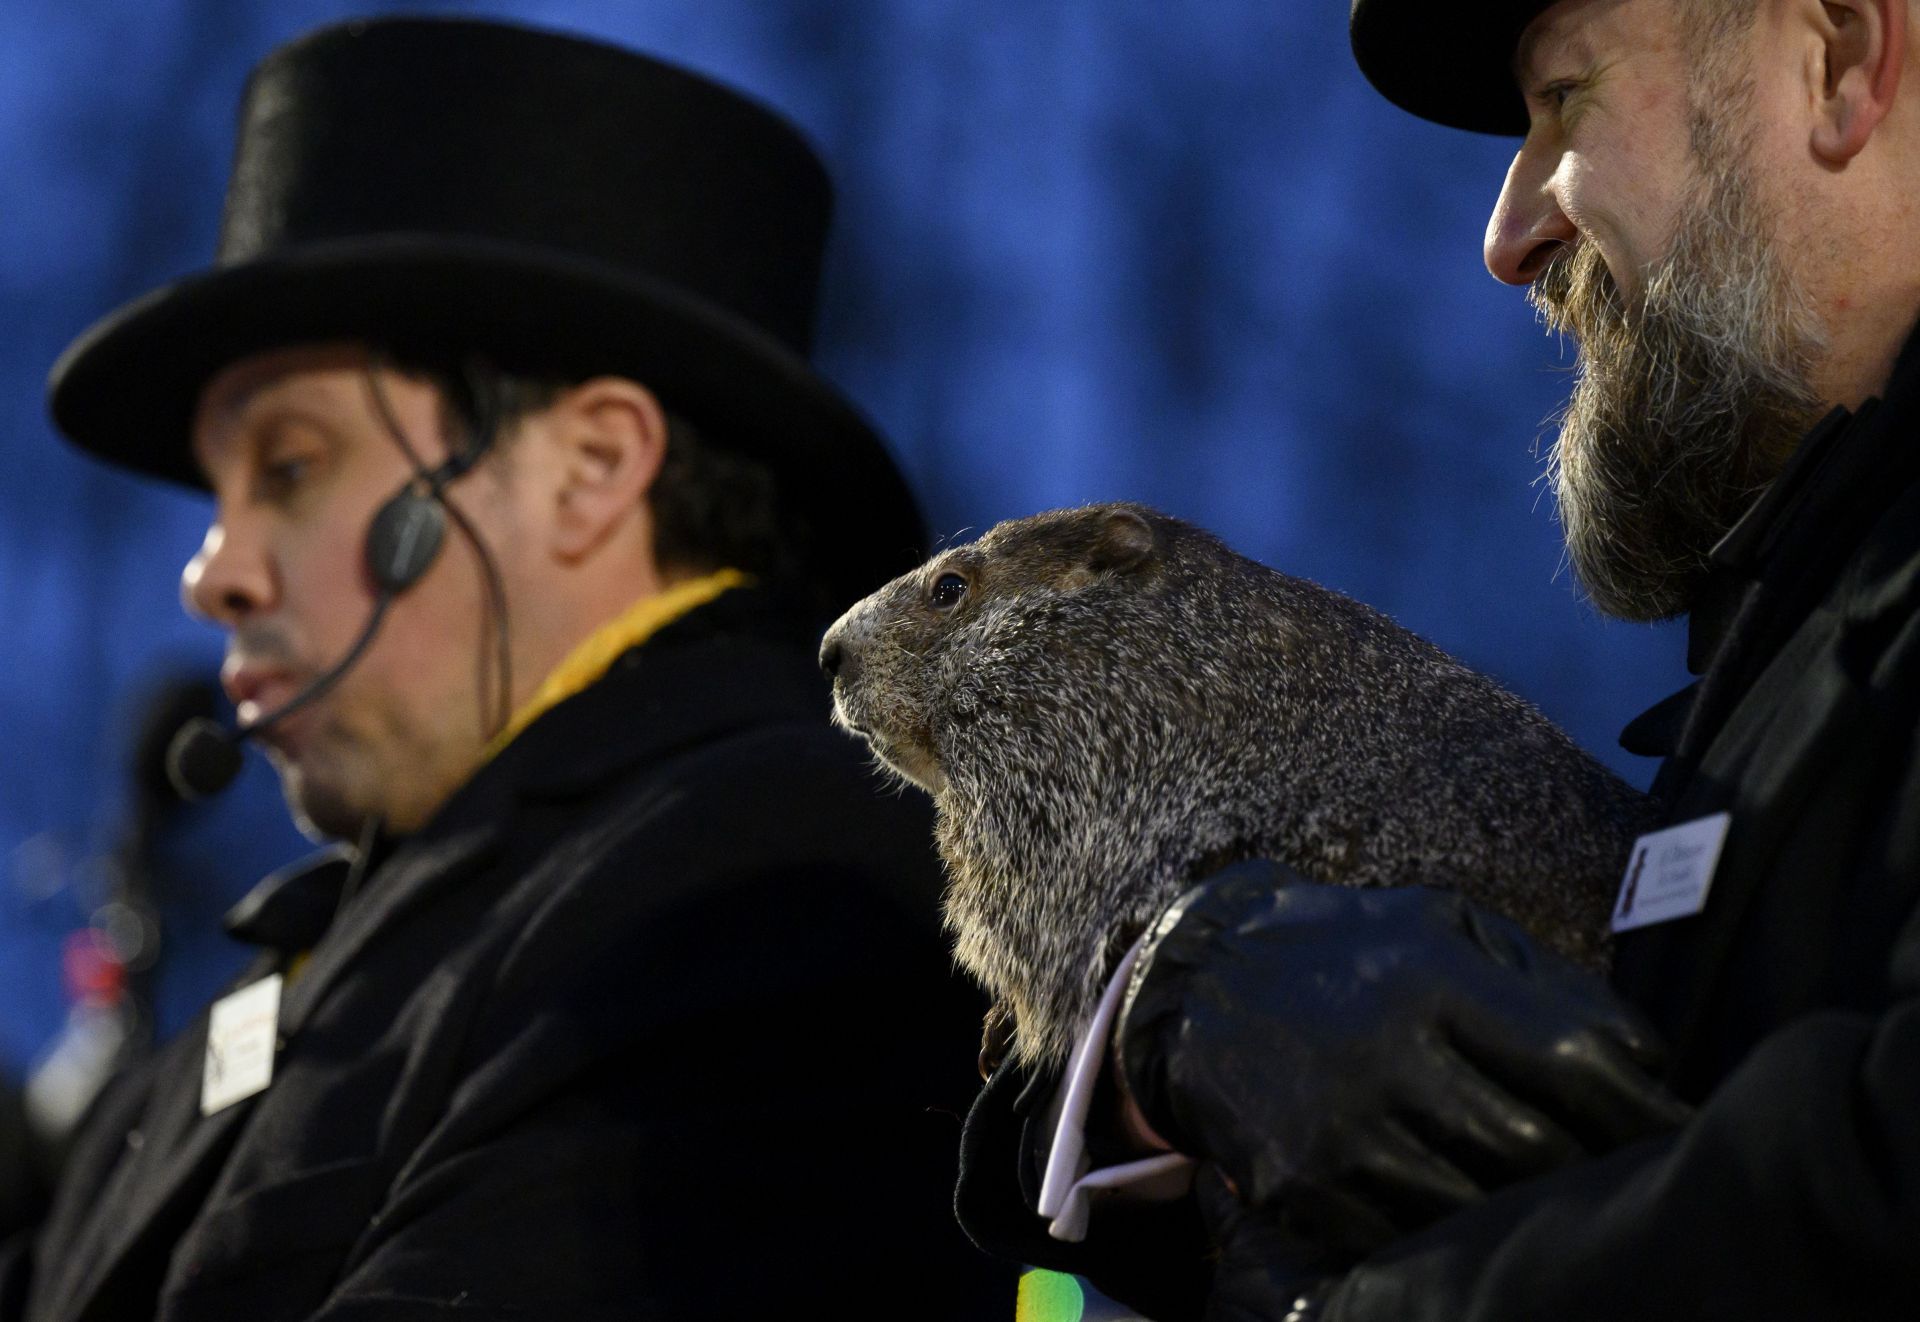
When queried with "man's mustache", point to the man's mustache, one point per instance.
{"points": [[1576, 295], [264, 646]]}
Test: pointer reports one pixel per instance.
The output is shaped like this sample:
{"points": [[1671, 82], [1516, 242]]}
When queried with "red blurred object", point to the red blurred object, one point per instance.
{"points": [[92, 969]]}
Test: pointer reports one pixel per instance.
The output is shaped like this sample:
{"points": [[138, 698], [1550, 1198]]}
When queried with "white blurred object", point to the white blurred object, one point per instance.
{"points": [[67, 1078]]}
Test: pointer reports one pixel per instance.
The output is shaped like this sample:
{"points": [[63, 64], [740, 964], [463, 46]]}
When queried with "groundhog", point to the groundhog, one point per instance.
{"points": [[1108, 705]]}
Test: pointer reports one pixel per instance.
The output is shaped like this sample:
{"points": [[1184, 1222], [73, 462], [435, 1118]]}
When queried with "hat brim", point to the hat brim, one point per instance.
{"points": [[127, 388], [1452, 64]]}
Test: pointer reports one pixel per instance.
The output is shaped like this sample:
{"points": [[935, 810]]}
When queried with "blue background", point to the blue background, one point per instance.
{"points": [[1085, 251]]}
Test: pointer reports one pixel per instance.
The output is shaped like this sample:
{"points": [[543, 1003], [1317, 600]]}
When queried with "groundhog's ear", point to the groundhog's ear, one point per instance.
{"points": [[1124, 542]]}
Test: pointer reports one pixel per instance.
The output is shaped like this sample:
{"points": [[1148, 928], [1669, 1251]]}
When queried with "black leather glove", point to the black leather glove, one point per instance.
{"points": [[1261, 1273], [1360, 1062]]}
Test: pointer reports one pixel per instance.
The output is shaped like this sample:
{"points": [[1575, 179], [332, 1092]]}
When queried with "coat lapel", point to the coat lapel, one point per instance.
{"points": [[1792, 720], [415, 873], [162, 1183], [172, 1156]]}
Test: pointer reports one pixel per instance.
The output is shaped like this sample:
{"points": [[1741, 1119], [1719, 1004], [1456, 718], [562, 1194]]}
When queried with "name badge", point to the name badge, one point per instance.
{"points": [[1669, 872], [241, 1031]]}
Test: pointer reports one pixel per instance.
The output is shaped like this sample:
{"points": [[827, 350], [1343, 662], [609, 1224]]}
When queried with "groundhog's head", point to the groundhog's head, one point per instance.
{"points": [[922, 658], [1047, 685]]}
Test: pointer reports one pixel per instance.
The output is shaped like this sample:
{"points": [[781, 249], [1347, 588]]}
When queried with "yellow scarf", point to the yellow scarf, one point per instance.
{"points": [[627, 630]]}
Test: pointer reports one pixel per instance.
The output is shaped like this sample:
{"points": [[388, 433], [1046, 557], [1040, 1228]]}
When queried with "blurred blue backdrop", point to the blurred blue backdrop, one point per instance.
{"points": [[1087, 251]]}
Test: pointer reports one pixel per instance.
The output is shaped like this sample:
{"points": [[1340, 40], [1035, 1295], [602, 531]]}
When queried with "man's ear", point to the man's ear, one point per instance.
{"points": [[1864, 45], [611, 435]]}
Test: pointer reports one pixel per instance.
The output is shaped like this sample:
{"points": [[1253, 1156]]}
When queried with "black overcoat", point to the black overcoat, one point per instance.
{"points": [[654, 1020], [1792, 1002]]}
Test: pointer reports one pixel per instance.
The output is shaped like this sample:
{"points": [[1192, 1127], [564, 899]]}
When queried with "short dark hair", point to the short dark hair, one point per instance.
{"points": [[713, 507]]}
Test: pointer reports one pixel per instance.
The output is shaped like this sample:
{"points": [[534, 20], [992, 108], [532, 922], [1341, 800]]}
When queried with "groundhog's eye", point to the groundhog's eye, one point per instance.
{"points": [[947, 591]]}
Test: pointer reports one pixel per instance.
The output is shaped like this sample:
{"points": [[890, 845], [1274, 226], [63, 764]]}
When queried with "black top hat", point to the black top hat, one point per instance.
{"points": [[1451, 63], [557, 205]]}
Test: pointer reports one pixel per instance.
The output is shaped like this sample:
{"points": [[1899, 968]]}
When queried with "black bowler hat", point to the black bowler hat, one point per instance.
{"points": [[556, 205], [1450, 63]]}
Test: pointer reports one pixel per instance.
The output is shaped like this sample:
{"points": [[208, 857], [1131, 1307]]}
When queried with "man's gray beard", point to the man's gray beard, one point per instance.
{"points": [[1685, 405]]}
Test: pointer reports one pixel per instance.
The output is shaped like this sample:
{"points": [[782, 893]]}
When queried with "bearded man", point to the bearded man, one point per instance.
{"points": [[1424, 1120], [625, 995]]}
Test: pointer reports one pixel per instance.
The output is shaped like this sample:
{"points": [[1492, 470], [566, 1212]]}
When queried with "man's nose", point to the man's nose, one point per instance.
{"points": [[227, 580], [1528, 226]]}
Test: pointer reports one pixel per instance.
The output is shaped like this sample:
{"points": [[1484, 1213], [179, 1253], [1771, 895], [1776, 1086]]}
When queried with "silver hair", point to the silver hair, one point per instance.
{"points": [[1689, 399]]}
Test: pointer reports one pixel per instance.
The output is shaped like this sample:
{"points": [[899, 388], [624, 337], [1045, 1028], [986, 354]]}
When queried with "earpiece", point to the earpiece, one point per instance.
{"points": [[405, 536], [406, 532]]}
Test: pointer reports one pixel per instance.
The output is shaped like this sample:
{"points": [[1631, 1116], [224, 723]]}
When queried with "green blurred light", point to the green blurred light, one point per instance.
{"points": [[1049, 1297]]}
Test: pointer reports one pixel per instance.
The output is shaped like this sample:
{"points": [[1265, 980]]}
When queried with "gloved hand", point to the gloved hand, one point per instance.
{"points": [[1261, 1273], [1360, 1062]]}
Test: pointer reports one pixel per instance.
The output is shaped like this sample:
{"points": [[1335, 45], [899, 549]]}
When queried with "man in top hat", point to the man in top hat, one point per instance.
{"points": [[627, 996], [1716, 201]]}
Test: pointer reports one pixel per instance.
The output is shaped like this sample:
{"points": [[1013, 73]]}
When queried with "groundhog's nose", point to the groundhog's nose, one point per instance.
{"points": [[838, 660], [840, 650]]}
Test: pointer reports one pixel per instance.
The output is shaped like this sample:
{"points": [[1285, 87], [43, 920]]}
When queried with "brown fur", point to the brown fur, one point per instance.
{"points": [[1107, 704]]}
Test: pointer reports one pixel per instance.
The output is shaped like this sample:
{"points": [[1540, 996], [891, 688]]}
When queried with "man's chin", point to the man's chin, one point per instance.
{"points": [[1632, 603], [323, 823], [1634, 556], [320, 807], [1642, 510]]}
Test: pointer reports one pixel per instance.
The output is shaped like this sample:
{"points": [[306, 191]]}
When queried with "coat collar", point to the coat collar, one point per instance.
{"points": [[1735, 566], [1779, 558], [750, 645], [588, 662]]}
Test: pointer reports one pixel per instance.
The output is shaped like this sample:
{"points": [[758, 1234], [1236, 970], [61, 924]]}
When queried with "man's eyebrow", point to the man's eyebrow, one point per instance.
{"points": [[1546, 31], [252, 437], [241, 396], [1523, 54]]}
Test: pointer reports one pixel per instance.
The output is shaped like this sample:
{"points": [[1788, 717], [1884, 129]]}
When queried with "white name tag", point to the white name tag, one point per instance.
{"points": [[241, 1031], [1669, 872]]}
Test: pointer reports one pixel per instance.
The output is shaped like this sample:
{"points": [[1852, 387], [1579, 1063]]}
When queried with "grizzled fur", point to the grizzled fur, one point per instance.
{"points": [[1108, 704]]}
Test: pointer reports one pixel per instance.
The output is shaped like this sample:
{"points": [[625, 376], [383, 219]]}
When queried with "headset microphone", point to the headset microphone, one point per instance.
{"points": [[204, 756]]}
